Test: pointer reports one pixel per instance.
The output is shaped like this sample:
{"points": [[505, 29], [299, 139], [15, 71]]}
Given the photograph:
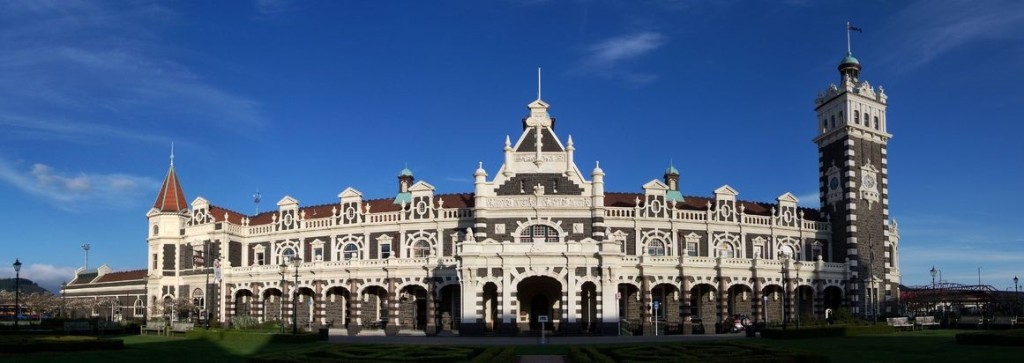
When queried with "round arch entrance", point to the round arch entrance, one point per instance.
{"points": [[539, 296]]}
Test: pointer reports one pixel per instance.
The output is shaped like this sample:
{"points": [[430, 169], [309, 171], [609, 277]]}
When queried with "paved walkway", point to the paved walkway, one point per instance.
{"points": [[557, 340]]}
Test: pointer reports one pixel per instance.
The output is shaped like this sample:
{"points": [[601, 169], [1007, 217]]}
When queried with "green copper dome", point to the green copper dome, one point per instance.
{"points": [[671, 170], [849, 59], [405, 172]]}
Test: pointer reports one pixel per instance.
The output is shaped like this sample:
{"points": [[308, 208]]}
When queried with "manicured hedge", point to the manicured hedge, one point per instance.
{"points": [[731, 352], [826, 331], [496, 355], [374, 353], [999, 338], [34, 344], [240, 335]]}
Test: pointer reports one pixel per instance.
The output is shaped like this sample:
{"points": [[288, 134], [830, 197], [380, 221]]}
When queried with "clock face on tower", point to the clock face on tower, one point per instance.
{"points": [[869, 181], [834, 183]]}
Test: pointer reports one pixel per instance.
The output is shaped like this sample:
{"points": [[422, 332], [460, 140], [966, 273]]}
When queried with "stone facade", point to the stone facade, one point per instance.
{"points": [[542, 240]]}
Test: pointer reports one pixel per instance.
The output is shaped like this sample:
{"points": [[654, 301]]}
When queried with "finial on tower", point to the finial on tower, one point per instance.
{"points": [[172, 153], [538, 83]]}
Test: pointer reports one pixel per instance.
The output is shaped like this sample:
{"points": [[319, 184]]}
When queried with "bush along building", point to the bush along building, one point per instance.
{"points": [[539, 244]]}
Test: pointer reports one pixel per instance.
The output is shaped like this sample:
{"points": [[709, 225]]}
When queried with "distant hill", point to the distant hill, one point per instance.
{"points": [[26, 286]]}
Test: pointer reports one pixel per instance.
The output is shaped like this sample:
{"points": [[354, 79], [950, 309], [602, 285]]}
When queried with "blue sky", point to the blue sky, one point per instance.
{"points": [[308, 98]]}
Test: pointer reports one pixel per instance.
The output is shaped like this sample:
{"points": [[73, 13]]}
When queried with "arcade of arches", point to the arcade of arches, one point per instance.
{"points": [[412, 308]]}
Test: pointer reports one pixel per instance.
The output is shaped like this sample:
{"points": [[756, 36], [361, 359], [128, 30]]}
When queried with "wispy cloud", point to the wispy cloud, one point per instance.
{"points": [[271, 7], [84, 72], [927, 30], [78, 191], [47, 276], [607, 58], [808, 200]]}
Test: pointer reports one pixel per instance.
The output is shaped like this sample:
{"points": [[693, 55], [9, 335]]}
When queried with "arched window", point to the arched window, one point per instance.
{"points": [[856, 117], [655, 248], [287, 254], [351, 252], [539, 233], [156, 230], [140, 308], [785, 252], [420, 249], [876, 122], [727, 251]]}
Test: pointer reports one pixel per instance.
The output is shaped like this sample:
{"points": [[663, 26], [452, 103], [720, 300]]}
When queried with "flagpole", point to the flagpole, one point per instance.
{"points": [[848, 50]]}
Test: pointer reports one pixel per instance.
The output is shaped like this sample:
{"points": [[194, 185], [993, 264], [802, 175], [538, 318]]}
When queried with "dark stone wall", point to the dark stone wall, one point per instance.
{"points": [[169, 257], [548, 142], [185, 257], [554, 184], [235, 253]]}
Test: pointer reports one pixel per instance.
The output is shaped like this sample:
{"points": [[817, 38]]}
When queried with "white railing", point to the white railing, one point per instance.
{"points": [[386, 217], [699, 216], [318, 223]]}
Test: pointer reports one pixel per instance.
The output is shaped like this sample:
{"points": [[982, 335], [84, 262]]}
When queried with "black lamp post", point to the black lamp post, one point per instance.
{"points": [[284, 270], [933, 272], [63, 286], [1016, 291], [797, 290], [785, 292], [295, 296], [17, 292]]}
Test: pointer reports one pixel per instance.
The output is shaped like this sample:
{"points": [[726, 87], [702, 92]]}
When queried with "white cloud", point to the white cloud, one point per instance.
{"points": [[927, 30], [606, 58], [92, 72], [73, 192]]}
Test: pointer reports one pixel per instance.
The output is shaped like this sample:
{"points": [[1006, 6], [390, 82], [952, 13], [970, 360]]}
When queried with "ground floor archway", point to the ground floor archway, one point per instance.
{"points": [[338, 307], [539, 296]]}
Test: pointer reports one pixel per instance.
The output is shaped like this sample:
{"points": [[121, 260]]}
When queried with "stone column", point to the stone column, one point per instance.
{"points": [[355, 315], [431, 328], [758, 296], [392, 300], [722, 301], [645, 305], [685, 295]]}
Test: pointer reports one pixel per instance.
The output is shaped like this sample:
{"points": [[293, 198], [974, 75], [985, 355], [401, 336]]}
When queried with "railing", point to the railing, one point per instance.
{"points": [[318, 223], [702, 217], [388, 217]]}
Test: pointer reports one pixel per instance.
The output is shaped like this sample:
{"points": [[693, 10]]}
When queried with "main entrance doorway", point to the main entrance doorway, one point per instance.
{"points": [[539, 296]]}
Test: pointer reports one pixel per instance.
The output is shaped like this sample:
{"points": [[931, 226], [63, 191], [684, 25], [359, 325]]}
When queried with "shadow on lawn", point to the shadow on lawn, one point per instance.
{"points": [[157, 349]]}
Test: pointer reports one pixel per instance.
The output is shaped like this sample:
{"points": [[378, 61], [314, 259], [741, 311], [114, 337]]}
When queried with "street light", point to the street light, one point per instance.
{"points": [[17, 292], [284, 271], [785, 290], [295, 296], [797, 290], [1016, 291]]}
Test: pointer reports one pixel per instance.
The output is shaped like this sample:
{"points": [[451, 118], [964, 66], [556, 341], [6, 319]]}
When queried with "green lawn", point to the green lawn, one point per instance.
{"points": [[922, 346], [918, 346]]}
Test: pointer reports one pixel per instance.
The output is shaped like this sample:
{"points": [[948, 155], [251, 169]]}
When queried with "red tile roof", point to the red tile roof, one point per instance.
{"points": [[122, 276], [171, 197]]}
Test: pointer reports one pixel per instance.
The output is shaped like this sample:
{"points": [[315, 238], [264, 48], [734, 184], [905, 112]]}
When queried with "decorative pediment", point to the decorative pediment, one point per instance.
{"points": [[655, 185], [350, 193], [787, 198], [422, 186], [200, 202], [726, 191], [288, 202]]}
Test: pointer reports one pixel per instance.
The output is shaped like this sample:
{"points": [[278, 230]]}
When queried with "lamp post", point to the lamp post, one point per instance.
{"points": [[63, 286], [785, 291], [17, 292], [797, 290], [295, 296], [1016, 292], [284, 270]]}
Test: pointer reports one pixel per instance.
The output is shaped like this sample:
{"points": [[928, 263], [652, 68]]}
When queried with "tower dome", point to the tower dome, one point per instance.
{"points": [[849, 67]]}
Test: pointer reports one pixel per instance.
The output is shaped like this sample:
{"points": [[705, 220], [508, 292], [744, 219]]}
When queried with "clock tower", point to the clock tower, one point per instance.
{"points": [[853, 174]]}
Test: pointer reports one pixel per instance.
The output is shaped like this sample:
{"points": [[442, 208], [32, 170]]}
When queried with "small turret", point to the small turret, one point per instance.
{"points": [[672, 180], [405, 180]]}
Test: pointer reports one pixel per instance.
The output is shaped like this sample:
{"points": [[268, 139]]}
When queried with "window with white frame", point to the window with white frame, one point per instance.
{"points": [[691, 248], [261, 258], [727, 251], [287, 254], [539, 233], [655, 247], [140, 308], [385, 250], [351, 252], [786, 251], [420, 248]]}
